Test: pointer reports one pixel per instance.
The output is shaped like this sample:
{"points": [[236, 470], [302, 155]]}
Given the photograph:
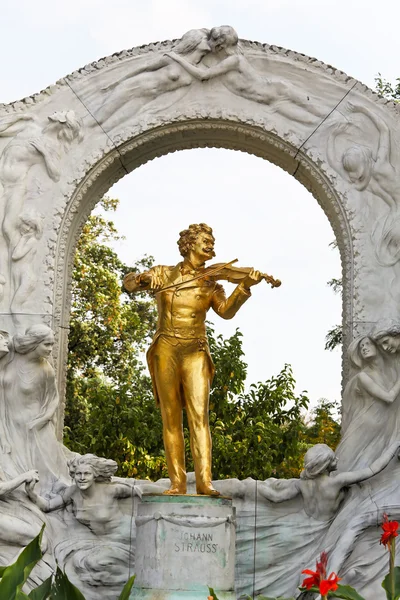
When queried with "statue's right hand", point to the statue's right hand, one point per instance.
{"points": [[32, 477]]}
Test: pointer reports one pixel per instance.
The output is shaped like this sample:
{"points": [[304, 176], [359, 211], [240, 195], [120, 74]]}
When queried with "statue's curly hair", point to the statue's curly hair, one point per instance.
{"points": [[187, 237], [103, 468]]}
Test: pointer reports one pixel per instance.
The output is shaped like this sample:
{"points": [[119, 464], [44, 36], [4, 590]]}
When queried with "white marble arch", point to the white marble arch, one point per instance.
{"points": [[318, 124]]}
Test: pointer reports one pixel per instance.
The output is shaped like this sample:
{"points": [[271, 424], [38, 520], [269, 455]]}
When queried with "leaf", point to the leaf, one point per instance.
{"points": [[63, 589], [15, 575], [386, 584], [127, 588], [212, 593], [268, 598], [346, 592], [42, 591]]}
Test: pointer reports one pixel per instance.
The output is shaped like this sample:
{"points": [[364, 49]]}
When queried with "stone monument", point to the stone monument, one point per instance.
{"points": [[60, 151]]}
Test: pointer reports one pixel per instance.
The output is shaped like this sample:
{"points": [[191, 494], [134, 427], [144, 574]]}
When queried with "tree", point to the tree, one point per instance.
{"points": [[109, 405], [323, 427], [386, 89]]}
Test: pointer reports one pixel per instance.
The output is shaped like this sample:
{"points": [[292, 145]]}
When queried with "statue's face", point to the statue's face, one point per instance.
{"points": [[389, 343], [203, 247], [367, 348], [84, 476], [334, 465], [45, 347], [3, 345]]}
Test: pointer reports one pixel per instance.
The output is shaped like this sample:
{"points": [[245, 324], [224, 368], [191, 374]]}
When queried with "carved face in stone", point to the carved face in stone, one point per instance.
{"points": [[389, 343], [333, 465], [43, 350], [223, 38], [203, 247], [357, 163], [84, 476], [367, 348], [3, 344]]}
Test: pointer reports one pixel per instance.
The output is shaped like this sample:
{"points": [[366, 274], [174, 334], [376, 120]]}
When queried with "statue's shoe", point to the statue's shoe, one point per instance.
{"points": [[208, 490], [175, 491]]}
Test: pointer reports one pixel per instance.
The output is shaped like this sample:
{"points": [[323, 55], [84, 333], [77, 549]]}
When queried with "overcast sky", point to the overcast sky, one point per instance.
{"points": [[259, 213]]}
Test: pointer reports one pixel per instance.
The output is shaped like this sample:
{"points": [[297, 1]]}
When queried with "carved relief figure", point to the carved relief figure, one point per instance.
{"points": [[30, 398], [370, 411], [93, 497], [240, 78], [24, 277], [322, 492], [179, 358], [32, 144], [150, 79], [386, 334], [13, 529], [94, 500], [377, 173], [4, 350]]}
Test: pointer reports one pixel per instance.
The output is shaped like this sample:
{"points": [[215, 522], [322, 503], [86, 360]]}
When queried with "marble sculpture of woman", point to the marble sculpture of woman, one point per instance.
{"points": [[33, 143], [29, 403], [322, 493], [370, 407], [102, 551], [363, 169]]}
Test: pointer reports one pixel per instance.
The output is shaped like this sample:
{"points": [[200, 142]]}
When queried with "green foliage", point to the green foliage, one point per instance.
{"points": [[42, 591], [346, 592], [109, 396], [334, 338], [386, 89], [392, 593], [15, 576], [63, 589], [324, 427], [127, 589]]}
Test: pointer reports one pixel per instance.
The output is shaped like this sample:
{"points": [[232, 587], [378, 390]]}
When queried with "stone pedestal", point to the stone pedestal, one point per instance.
{"points": [[184, 544]]}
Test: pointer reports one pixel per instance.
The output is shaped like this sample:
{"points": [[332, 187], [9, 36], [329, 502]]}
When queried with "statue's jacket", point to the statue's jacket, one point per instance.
{"points": [[182, 309]]}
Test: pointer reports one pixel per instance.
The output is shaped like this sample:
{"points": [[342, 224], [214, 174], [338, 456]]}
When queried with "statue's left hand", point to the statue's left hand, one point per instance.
{"points": [[30, 486], [252, 278]]}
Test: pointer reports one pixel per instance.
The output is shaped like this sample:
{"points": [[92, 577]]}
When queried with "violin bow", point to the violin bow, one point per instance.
{"points": [[200, 276]]}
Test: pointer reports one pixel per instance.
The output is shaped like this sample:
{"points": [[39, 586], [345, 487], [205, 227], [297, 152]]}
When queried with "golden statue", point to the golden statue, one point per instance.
{"points": [[179, 359]]}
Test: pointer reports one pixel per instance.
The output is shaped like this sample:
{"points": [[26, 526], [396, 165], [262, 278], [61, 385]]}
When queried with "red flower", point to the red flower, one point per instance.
{"points": [[390, 531], [312, 581], [318, 577], [329, 585]]}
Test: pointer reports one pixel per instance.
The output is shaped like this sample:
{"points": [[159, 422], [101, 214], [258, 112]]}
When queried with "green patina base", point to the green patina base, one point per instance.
{"points": [[201, 594], [195, 499]]}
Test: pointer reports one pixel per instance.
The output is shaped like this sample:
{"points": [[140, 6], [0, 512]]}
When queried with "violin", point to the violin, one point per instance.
{"points": [[226, 272]]}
